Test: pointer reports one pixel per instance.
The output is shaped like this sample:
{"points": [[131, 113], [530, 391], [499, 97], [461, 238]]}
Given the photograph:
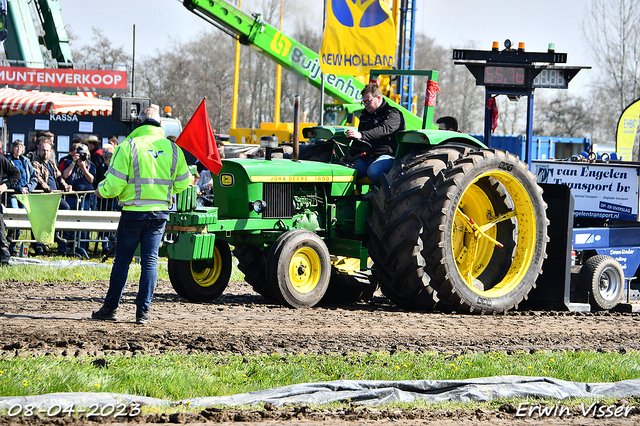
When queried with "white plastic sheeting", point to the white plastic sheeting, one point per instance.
{"points": [[363, 392], [55, 263]]}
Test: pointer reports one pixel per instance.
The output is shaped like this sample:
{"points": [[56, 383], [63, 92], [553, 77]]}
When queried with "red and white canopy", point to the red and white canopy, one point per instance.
{"points": [[14, 101]]}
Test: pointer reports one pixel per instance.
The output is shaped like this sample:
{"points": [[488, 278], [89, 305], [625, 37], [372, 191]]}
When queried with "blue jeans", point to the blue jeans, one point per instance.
{"points": [[374, 168], [147, 233]]}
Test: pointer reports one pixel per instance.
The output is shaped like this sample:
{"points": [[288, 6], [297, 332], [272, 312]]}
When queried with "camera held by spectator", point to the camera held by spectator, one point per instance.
{"points": [[83, 152]]}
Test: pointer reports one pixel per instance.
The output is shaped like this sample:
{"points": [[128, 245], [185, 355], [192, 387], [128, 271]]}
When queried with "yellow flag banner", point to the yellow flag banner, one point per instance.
{"points": [[358, 35], [626, 131], [42, 210]]}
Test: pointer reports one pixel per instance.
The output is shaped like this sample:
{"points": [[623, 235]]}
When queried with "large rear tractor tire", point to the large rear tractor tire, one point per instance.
{"points": [[400, 210], [487, 233], [202, 280], [603, 277], [299, 269], [252, 262]]}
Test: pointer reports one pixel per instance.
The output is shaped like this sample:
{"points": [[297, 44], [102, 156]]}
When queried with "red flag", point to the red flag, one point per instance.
{"points": [[493, 106], [197, 138], [432, 92]]}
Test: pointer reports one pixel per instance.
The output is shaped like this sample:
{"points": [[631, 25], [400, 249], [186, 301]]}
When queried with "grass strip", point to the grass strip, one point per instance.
{"points": [[175, 377], [48, 274]]}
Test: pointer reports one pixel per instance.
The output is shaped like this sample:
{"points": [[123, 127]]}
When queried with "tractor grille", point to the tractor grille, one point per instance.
{"points": [[279, 199]]}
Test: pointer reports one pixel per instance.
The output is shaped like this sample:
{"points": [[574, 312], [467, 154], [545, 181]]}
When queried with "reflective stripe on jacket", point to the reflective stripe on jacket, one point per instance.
{"points": [[145, 171]]}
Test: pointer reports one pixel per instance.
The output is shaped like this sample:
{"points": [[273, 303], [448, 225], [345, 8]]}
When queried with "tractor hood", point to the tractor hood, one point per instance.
{"points": [[244, 181], [292, 171]]}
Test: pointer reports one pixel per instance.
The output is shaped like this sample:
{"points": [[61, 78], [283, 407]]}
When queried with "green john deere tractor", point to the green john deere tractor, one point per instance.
{"points": [[455, 223]]}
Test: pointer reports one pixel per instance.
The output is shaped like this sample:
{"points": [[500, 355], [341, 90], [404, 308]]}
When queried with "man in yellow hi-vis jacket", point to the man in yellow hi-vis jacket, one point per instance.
{"points": [[146, 170]]}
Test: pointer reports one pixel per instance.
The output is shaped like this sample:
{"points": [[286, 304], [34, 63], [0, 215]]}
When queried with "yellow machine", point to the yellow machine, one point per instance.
{"points": [[283, 131]]}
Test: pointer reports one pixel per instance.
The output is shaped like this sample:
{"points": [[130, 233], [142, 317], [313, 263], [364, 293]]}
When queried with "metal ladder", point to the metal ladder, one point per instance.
{"points": [[407, 41]]}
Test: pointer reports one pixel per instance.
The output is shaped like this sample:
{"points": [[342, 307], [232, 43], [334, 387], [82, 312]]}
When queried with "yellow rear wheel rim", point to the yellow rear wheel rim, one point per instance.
{"points": [[305, 269], [210, 275], [473, 250]]}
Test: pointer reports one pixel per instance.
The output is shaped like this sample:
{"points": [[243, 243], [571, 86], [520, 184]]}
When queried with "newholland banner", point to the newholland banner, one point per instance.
{"points": [[359, 35], [68, 80]]}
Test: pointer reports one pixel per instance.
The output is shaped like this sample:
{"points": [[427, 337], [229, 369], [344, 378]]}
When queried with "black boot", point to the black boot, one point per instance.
{"points": [[104, 314]]}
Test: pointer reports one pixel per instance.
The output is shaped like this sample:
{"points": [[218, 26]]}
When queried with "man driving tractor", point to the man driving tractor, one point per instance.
{"points": [[379, 124]]}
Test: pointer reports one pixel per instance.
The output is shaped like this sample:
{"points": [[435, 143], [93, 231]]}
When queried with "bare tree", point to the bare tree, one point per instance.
{"points": [[611, 29], [184, 74], [459, 96], [293, 84], [512, 113], [257, 88], [563, 115], [101, 54], [101, 51]]}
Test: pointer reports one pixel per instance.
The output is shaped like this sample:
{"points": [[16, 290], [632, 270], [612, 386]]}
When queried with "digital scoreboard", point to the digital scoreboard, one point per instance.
{"points": [[524, 76], [538, 78], [551, 79], [517, 69], [503, 76], [515, 73]]}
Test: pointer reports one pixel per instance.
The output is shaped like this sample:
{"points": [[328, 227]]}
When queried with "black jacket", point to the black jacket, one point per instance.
{"points": [[9, 172], [380, 129]]}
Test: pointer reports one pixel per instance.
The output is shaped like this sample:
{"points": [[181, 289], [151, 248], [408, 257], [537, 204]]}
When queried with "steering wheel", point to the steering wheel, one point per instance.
{"points": [[348, 147]]}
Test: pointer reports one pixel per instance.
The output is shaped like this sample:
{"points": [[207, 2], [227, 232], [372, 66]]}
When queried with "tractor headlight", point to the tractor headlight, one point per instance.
{"points": [[269, 142], [259, 206]]}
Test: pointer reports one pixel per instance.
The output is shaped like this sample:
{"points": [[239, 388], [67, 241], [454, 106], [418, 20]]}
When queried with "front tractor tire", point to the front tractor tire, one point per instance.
{"points": [[202, 280], [487, 232], [299, 269]]}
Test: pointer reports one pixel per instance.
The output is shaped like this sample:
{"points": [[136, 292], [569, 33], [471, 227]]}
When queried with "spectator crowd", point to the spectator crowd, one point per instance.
{"points": [[77, 174]]}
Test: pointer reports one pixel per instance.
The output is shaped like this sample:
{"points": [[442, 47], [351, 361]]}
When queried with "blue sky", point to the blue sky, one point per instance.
{"points": [[453, 23]]}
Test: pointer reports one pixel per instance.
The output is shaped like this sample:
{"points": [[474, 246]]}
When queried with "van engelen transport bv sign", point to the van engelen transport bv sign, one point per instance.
{"points": [[64, 79]]}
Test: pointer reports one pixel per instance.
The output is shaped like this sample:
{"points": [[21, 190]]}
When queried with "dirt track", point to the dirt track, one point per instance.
{"points": [[38, 318]]}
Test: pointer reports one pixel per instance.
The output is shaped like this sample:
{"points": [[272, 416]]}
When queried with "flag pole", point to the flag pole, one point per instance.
{"points": [[324, 20], [276, 118], [236, 81]]}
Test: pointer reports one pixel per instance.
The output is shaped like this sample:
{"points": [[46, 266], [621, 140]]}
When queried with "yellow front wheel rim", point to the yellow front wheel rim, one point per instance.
{"points": [[304, 270], [474, 233], [208, 276]]}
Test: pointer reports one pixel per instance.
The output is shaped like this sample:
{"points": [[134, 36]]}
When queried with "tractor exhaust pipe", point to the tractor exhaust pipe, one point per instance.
{"points": [[296, 127]]}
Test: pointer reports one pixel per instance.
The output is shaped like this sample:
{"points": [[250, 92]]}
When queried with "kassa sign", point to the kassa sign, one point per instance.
{"points": [[64, 79]]}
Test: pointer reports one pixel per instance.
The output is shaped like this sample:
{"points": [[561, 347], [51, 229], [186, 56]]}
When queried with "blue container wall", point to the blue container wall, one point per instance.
{"points": [[543, 147]]}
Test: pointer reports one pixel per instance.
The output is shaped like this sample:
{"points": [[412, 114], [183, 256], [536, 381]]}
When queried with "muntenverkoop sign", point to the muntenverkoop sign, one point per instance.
{"points": [[600, 190], [64, 79]]}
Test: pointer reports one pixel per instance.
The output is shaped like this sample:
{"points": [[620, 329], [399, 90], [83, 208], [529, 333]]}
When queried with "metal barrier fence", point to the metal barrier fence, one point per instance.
{"points": [[84, 209]]}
